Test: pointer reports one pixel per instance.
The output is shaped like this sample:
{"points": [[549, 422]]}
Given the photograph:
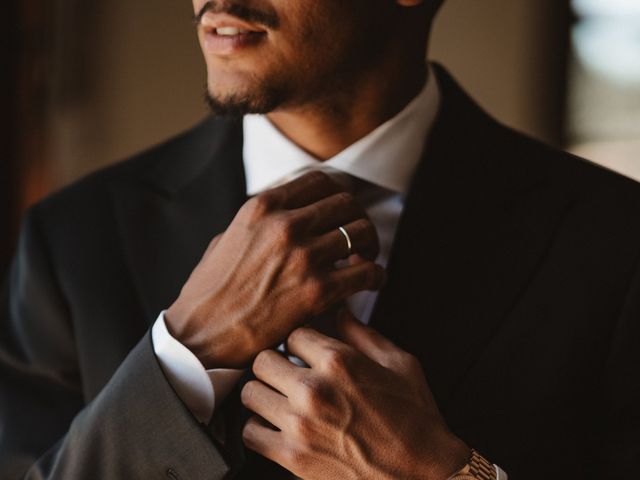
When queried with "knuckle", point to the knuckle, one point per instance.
{"points": [[261, 205], [298, 334], [408, 361], [366, 230], [334, 361], [305, 259], [367, 235], [261, 361], [302, 427], [315, 396], [309, 392], [284, 229], [294, 458], [364, 226], [316, 293], [344, 198]]}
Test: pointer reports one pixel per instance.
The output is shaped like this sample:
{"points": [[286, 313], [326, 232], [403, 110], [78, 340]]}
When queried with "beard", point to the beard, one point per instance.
{"points": [[264, 98], [283, 91]]}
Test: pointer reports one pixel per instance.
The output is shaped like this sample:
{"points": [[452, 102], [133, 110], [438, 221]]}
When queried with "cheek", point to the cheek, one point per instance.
{"points": [[314, 31], [320, 21]]}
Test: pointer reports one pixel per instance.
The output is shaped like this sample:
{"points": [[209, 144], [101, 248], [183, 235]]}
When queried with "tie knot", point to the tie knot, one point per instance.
{"points": [[363, 190], [366, 193]]}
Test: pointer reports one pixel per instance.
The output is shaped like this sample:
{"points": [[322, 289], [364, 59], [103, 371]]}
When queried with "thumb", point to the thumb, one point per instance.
{"points": [[367, 340]]}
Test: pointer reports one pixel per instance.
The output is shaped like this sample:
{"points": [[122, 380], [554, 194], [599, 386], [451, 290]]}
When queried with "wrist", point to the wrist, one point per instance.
{"points": [[451, 456], [213, 349]]}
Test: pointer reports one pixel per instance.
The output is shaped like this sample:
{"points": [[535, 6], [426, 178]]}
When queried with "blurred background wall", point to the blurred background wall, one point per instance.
{"points": [[603, 106], [90, 83]]}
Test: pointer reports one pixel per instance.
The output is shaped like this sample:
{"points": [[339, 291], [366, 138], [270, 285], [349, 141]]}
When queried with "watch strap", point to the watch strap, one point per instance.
{"points": [[478, 468]]}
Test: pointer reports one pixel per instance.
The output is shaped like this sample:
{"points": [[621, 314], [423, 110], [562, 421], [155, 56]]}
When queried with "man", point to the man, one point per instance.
{"points": [[501, 332]]}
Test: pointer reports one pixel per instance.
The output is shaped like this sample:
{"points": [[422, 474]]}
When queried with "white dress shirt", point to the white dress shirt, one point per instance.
{"points": [[386, 158]]}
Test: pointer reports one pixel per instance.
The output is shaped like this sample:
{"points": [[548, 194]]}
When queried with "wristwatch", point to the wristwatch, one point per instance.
{"points": [[478, 468]]}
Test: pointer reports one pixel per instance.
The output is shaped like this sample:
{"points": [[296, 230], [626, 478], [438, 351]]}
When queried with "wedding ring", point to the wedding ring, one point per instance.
{"points": [[348, 238]]}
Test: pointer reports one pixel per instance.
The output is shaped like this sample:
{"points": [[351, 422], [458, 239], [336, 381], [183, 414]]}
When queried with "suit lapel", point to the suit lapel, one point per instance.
{"points": [[477, 223], [170, 212], [189, 196]]}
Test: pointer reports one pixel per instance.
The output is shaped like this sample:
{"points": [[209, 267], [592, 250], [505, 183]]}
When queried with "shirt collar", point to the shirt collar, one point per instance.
{"points": [[387, 157]]}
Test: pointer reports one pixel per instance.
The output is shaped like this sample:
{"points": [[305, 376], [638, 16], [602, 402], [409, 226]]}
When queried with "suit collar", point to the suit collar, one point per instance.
{"points": [[181, 161], [386, 157]]}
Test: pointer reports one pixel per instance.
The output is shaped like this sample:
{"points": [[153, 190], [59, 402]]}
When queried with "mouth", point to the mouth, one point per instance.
{"points": [[225, 35], [231, 31]]}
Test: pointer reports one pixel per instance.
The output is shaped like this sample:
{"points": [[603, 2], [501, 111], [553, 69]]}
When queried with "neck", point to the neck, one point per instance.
{"points": [[328, 126]]}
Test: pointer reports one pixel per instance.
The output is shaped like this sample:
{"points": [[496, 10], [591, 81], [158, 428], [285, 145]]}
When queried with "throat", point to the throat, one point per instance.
{"points": [[325, 128]]}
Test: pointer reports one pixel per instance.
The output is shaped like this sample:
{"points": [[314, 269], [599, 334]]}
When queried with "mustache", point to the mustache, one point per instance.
{"points": [[242, 12]]}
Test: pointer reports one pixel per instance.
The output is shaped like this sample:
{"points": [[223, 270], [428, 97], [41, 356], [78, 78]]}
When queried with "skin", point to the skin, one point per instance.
{"points": [[273, 270], [362, 409], [327, 73]]}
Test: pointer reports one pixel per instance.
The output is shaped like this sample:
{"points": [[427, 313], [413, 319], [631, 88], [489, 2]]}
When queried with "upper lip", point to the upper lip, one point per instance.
{"points": [[213, 21]]}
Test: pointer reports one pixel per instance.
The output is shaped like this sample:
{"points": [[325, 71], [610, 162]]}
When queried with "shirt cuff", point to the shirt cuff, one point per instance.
{"points": [[198, 388], [500, 475]]}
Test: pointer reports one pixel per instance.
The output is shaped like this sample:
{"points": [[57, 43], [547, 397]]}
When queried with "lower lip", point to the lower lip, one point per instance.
{"points": [[229, 45]]}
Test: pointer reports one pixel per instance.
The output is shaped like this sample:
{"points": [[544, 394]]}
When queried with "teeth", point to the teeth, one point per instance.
{"points": [[230, 31]]}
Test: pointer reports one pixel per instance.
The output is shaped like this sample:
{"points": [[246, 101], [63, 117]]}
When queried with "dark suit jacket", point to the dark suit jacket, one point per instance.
{"points": [[514, 279]]}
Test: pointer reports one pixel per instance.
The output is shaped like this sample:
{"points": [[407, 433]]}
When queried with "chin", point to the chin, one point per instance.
{"points": [[237, 94], [238, 103], [226, 79]]}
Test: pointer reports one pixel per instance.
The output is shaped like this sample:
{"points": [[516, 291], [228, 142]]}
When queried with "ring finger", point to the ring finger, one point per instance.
{"points": [[359, 237], [329, 213]]}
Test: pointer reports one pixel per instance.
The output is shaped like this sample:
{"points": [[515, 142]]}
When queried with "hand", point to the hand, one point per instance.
{"points": [[362, 410], [273, 270]]}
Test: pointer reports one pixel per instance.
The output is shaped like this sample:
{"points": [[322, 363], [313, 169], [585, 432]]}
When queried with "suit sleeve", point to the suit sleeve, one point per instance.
{"points": [[135, 428], [618, 436], [200, 389]]}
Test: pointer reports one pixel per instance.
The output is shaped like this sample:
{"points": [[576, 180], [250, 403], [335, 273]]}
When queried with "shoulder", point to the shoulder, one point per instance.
{"points": [[173, 158], [598, 209], [511, 161], [583, 182]]}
